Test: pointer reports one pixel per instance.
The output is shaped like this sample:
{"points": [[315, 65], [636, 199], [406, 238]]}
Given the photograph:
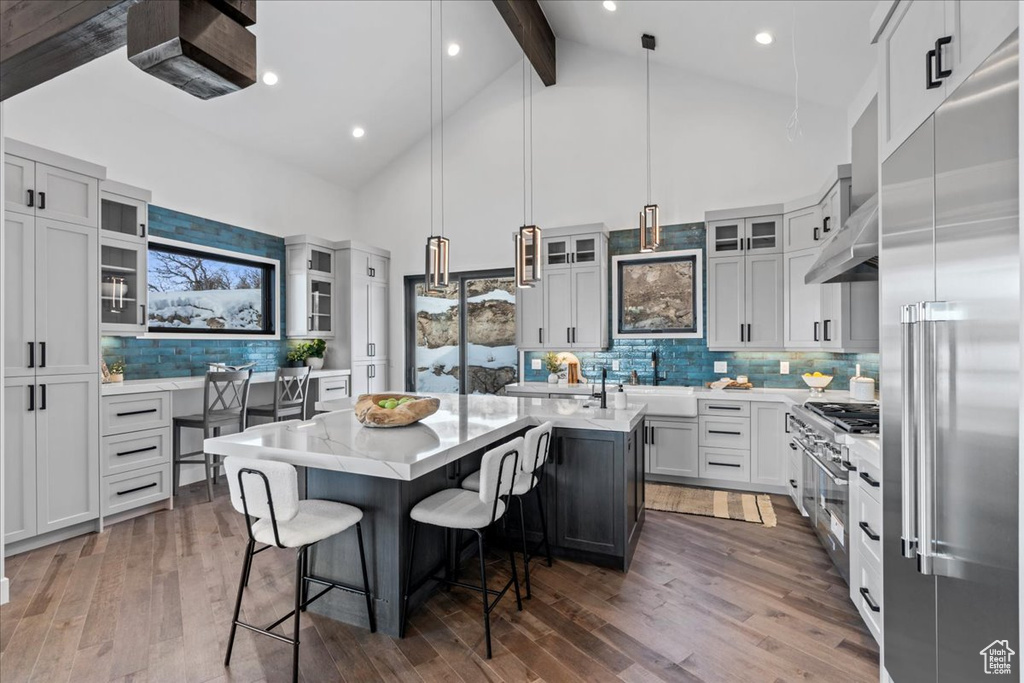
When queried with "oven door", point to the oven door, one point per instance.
{"points": [[832, 517]]}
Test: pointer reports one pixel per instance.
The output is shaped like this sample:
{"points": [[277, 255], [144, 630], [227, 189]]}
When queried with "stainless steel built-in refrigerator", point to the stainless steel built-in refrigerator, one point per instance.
{"points": [[950, 304]]}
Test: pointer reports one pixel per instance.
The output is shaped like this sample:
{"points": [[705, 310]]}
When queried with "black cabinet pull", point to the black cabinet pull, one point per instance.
{"points": [[42, 200], [724, 464], [719, 431], [31, 354], [748, 244], [848, 466], [137, 488], [142, 311], [741, 333], [826, 224], [867, 598], [31, 198], [939, 71], [870, 480], [792, 482], [817, 234], [136, 450], [816, 325], [128, 413], [540, 335], [792, 446], [652, 436], [568, 337], [42, 397], [785, 424], [725, 408], [573, 335], [750, 333], [42, 354], [309, 263], [867, 530], [827, 330], [142, 229], [31, 397]]}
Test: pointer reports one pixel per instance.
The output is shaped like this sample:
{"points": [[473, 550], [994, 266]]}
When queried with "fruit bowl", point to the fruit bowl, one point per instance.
{"points": [[817, 383], [407, 409]]}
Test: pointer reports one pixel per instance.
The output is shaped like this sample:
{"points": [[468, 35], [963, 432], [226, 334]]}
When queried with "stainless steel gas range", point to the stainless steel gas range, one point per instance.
{"points": [[819, 430]]}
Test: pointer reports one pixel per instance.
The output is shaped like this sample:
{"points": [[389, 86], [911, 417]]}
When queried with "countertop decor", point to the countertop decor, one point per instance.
{"points": [[370, 413]]}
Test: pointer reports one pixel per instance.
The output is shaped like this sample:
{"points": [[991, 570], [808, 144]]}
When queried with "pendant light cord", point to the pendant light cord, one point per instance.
{"points": [[793, 130], [430, 5], [440, 12], [648, 126], [524, 136], [529, 75]]}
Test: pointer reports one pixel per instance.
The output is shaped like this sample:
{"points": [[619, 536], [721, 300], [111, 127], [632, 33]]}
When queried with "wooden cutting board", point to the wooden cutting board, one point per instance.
{"points": [[370, 414]]}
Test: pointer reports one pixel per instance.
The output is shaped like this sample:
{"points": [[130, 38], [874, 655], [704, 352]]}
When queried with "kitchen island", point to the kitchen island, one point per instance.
{"points": [[593, 484]]}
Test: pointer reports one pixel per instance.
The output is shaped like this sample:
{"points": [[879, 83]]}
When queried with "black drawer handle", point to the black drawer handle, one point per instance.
{"points": [[724, 408], [719, 431], [42, 200], [724, 464], [137, 488], [870, 480], [31, 354], [849, 466], [792, 482], [136, 450], [137, 412], [792, 446], [867, 530], [336, 389], [871, 603], [31, 198]]}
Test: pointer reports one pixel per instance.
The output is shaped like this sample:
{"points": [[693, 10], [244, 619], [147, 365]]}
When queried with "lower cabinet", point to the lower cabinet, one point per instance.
{"points": [[136, 451], [51, 442], [671, 446], [369, 377], [769, 462]]}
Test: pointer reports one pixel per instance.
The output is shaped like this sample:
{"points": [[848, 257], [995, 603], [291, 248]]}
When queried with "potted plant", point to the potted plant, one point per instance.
{"points": [[117, 371], [553, 365], [315, 350], [297, 356]]}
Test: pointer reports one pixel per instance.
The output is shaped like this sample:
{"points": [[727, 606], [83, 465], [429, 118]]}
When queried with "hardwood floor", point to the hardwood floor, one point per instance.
{"points": [[706, 600]]}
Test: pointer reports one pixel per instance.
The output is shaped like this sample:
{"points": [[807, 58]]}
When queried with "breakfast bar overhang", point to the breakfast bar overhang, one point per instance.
{"points": [[593, 484]]}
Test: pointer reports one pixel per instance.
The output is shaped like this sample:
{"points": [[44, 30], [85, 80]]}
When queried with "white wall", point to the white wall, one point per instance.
{"points": [[715, 145], [187, 169]]}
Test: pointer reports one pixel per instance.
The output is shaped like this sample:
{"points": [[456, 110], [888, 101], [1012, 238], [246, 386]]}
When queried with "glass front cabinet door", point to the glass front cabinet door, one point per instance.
{"points": [[725, 238], [764, 234], [123, 287], [321, 295]]}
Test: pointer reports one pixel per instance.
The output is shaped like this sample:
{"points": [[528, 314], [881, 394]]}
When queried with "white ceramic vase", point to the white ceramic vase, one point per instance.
{"points": [[315, 363], [553, 378]]}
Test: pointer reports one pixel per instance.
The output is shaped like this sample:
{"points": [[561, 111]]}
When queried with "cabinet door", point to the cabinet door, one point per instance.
{"points": [[858, 328], [673, 447], [359, 322], [830, 213], [557, 253], [369, 265], [763, 235], [123, 288], [19, 185], [67, 307], [530, 317], [378, 298], [765, 300], [978, 27], [726, 305], [588, 313], [362, 376], [769, 457], [904, 99], [320, 261], [379, 267], [67, 451], [20, 349], [589, 502], [122, 217], [379, 379], [803, 302], [803, 227], [19, 459], [586, 249], [831, 316], [67, 196], [725, 238], [558, 308], [320, 293]]}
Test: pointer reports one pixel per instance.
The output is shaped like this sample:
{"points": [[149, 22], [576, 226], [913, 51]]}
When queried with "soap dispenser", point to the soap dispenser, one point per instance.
{"points": [[619, 399]]}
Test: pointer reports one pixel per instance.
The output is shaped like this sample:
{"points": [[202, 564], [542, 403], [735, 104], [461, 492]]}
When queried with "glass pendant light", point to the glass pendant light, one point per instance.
{"points": [[650, 225], [437, 245], [528, 238]]}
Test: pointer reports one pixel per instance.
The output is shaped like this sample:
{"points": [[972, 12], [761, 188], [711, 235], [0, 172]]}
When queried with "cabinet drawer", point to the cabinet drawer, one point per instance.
{"points": [[725, 432], [731, 408], [129, 490], [135, 450], [869, 478], [794, 479], [333, 387], [135, 413], [717, 463], [871, 595], [869, 531]]}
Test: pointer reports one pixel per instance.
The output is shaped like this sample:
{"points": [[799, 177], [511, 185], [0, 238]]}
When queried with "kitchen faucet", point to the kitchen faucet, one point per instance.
{"points": [[654, 363], [604, 391]]}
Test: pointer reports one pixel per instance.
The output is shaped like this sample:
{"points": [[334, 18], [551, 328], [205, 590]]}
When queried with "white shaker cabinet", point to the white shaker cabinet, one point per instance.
{"points": [[19, 295], [530, 318], [369, 377], [310, 290], [363, 305], [803, 302], [803, 228], [558, 303], [19, 185], [764, 300], [368, 319], [726, 303], [124, 258], [770, 457], [671, 446], [19, 459], [589, 316], [50, 192]]}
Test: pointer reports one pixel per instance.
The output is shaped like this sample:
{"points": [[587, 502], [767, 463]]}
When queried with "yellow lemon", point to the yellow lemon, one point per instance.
{"points": [[818, 374]]}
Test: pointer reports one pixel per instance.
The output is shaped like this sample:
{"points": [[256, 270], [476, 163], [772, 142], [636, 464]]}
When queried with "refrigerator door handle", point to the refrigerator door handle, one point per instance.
{"points": [[908, 534]]}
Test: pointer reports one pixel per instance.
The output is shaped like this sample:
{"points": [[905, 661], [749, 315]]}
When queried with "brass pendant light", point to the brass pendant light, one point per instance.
{"points": [[649, 221], [528, 238], [437, 245]]}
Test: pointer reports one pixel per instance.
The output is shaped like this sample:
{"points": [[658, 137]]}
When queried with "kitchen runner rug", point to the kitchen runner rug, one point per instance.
{"points": [[755, 508]]}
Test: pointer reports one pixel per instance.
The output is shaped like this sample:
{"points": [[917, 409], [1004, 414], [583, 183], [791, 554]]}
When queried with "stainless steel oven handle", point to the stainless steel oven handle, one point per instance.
{"points": [[930, 313], [835, 480], [908, 436]]}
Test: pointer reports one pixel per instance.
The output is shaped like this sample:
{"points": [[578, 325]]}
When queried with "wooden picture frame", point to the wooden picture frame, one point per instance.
{"points": [[658, 295]]}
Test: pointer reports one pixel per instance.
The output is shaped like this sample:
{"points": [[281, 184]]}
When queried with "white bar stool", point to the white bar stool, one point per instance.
{"points": [[268, 491], [462, 509], [537, 444]]}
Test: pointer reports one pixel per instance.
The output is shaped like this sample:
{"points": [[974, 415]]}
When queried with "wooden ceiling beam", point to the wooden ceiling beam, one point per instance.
{"points": [[526, 20]]}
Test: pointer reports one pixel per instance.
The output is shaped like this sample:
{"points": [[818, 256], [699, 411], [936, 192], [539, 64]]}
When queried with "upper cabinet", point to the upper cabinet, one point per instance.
{"points": [[568, 250], [927, 49], [729, 237], [363, 324], [45, 191], [124, 226], [310, 290]]}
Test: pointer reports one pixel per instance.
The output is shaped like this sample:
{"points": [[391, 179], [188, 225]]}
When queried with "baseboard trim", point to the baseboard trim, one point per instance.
{"points": [[92, 526]]}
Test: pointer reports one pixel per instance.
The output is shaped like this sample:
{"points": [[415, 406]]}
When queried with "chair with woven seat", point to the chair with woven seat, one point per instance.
{"points": [[290, 387], [537, 442], [225, 398], [267, 493], [460, 509]]}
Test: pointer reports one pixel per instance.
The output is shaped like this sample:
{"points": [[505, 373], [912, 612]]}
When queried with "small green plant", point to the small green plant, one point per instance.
{"points": [[117, 367], [551, 362], [315, 348]]}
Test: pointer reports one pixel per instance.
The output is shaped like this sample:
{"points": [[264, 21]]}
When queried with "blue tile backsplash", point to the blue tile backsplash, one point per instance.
{"points": [[158, 358], [688, 362]]}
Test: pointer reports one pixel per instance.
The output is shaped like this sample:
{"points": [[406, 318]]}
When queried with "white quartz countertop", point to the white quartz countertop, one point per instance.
{"points": [[463, 424], [141, 386]]}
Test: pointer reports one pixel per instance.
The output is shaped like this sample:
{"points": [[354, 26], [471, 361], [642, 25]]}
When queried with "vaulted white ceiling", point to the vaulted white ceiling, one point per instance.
{"points": [[364, 63]]}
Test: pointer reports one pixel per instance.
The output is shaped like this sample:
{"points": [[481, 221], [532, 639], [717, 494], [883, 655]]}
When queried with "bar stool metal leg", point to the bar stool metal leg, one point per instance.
{"points": [[483, 593], [300, 560], [526, 549], [242, 581]]}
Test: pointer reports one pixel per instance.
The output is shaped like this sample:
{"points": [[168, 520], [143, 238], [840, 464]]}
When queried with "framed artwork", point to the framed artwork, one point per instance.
{"points": [[658, 295]]}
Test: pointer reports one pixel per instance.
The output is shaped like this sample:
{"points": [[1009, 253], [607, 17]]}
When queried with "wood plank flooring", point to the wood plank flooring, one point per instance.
{"points": [[706, 600]]}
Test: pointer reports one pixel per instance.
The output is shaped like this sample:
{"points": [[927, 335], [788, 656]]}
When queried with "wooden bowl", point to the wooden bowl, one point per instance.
{"points": [[370, 414]]}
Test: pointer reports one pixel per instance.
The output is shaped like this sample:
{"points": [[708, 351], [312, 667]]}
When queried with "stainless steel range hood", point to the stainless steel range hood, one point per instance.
{"points": [[852, 253]]}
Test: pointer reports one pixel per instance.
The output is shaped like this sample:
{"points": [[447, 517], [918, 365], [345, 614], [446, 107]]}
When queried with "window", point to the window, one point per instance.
{"points": [[208, 291], [463, 338]]}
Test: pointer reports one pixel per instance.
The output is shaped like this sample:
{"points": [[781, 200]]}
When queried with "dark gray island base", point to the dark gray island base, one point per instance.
{"points": [[593, 491]]}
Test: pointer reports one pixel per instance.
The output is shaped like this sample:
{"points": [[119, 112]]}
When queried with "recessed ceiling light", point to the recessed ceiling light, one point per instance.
{"points": [[610, 6], [453, 49], [358, 132], [269, 77], [764, 38]]}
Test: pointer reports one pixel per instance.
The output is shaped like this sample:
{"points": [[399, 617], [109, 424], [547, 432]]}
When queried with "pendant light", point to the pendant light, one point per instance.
{"points": [[437, 245], [649, 216], [528, 238]]}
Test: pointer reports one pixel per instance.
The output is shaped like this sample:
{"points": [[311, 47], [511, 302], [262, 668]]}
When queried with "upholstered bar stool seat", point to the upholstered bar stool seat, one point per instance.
{"points": [[522, 485], [455, 509], [314, 521]]}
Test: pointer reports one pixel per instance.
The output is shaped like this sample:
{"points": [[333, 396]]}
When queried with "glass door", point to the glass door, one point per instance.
{"points": [[435, 327], [122, 286], [490, 357]]}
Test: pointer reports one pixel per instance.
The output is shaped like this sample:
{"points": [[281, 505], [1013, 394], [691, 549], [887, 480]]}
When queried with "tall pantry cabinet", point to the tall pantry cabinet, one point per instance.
{"points": [[51, 341]]}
